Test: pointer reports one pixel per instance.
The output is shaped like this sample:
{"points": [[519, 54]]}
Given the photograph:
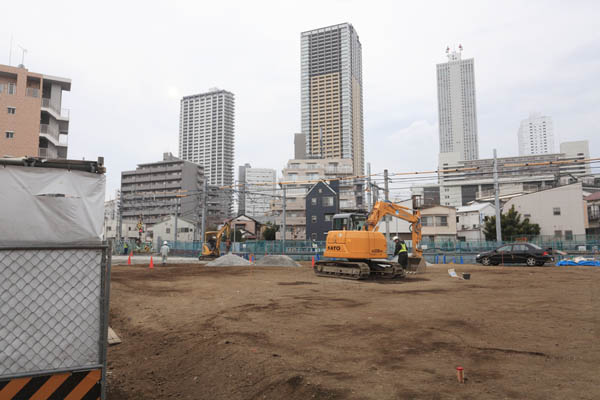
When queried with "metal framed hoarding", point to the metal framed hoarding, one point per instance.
{"points": [[54, 280]]}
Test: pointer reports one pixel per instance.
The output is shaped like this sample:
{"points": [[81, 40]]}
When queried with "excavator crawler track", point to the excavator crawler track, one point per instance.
{"points": [[369, 269]]}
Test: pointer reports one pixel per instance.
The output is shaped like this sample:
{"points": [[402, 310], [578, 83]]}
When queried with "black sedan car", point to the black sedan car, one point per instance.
{"points": [[517, 253]]}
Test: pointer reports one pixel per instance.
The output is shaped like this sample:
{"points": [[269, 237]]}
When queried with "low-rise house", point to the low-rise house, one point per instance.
{"points": [[165, 230], [593, 214], [560, 211], [322, 203], [470, 220], [248, 226], [438, 223]]}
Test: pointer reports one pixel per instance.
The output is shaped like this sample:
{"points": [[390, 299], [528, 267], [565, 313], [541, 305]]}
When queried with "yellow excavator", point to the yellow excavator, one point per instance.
{"points": [[211, 248], [356, 250]]}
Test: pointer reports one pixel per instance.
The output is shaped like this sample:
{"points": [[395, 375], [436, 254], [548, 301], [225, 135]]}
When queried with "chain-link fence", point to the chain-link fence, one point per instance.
{"points": [[53, 309]]}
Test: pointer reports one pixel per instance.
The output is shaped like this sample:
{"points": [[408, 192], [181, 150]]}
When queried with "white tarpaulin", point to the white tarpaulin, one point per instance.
{"points": [[50, 205]]}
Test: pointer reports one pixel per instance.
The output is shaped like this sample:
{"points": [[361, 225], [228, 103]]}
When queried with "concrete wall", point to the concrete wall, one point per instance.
{"points": [[540, 206]]}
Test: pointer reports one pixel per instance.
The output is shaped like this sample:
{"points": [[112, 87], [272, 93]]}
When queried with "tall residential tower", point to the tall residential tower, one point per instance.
{"points": [[331, 86], [206, 134], [456, 106], [536, 135]]}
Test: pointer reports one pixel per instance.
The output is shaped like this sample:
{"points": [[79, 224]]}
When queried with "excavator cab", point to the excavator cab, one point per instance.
{"points": [[349, 222]]}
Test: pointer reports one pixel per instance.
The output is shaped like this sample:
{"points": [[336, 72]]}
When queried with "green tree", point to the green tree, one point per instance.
{"points": [[512, 226], [269, 231]]}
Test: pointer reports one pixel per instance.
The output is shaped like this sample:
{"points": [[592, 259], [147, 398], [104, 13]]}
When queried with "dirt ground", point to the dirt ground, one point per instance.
{"points": [[193, 332]]}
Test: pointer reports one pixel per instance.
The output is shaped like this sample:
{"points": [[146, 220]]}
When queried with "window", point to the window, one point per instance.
{"points": [[10, 134], [427, 221], [109, 228], [556, 211], [441, 221], [313, 236], [504, 249], [558, 234], [328, 201], [12, 88], [328, 217], [313, 219], [168, 230], [520, 248], [568, 235], [313, 201], [11, 110]]}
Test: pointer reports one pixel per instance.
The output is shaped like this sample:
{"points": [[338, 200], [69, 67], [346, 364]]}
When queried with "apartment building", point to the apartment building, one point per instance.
{"points": [[156, 190], [299, 177], [332, 94], [516, 175], [32, 120], [257, 188]]}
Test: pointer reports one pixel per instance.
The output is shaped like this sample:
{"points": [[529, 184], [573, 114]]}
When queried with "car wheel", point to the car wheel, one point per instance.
{"points": [[540, 264], [486, 261], [531, 261]]}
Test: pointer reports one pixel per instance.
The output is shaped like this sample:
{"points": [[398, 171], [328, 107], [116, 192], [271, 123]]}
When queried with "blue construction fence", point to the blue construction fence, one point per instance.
{"points": [[443, 251]]}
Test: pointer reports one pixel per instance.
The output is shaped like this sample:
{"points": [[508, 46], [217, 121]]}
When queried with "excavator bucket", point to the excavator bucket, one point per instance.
{"points": [[416, 265]]}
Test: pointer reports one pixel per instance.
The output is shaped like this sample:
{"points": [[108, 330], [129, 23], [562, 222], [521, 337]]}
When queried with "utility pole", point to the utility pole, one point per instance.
{"points": [[284, 224], [204, 200], [387, 198], [369, 187], [497, 202], [175, 233]]}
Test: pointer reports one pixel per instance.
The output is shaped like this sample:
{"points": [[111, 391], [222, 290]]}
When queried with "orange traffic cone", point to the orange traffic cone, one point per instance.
{"points": [[129, 259], [313, 261], [151, 263]]}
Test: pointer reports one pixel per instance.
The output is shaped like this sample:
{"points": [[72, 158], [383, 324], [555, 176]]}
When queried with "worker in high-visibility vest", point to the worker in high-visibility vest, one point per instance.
{"points": [[401, 251]]}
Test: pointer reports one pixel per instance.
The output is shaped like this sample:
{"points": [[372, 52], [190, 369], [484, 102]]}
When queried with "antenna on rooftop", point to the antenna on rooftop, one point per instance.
{"points": [[460, 47], [23, 51], [10, 51]]}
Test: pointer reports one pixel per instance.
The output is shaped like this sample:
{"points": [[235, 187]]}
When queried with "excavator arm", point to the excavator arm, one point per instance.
{"points": [[384, 208]]}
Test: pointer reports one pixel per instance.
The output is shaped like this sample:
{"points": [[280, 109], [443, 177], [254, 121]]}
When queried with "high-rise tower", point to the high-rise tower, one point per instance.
{"points": [[456, 106], [536, 135], [206, 134], [332, 109]]}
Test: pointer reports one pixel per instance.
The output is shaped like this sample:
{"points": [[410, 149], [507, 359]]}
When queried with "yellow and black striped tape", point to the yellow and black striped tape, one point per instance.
{"points": [[82, 385]]}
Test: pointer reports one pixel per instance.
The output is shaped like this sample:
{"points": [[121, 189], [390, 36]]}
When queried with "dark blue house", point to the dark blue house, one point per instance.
{"points": [[322, 203]]}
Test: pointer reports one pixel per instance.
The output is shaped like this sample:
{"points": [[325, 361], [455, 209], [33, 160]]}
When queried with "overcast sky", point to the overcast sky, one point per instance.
{"points": [[131, 62]]}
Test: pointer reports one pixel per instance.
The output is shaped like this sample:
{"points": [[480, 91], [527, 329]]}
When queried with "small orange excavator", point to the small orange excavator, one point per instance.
{"points": [[356, 250], [211, 248]]}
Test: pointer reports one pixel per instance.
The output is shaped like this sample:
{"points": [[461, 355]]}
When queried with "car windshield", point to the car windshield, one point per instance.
{"points": [[535, 246]]}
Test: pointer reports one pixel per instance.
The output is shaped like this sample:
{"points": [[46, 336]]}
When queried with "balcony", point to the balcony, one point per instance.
{"points": [[32, 92]]}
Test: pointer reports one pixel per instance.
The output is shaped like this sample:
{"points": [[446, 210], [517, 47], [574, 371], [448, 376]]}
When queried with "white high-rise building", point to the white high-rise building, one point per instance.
{"points": [[456, 106], [257, 187], [332, 95], [206, 134], [536, 135]]}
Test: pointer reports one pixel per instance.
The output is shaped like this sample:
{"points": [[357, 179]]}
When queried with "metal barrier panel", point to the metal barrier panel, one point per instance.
{"points": [[53, 310]]}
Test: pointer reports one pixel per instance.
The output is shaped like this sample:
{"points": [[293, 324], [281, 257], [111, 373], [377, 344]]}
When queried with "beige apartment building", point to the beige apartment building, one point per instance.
{"points": [[32, 121]]}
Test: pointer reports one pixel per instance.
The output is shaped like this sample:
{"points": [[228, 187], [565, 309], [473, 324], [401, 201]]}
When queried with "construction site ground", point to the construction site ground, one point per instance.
{"points": [[195, 332]]}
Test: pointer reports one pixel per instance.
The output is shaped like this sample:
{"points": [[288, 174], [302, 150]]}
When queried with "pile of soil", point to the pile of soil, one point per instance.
{"points": [[228, 260], [277, 261]]}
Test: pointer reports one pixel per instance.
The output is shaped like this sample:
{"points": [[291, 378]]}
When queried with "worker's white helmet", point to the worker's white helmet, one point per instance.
{"points": [[165, 242], [395, 238]]}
